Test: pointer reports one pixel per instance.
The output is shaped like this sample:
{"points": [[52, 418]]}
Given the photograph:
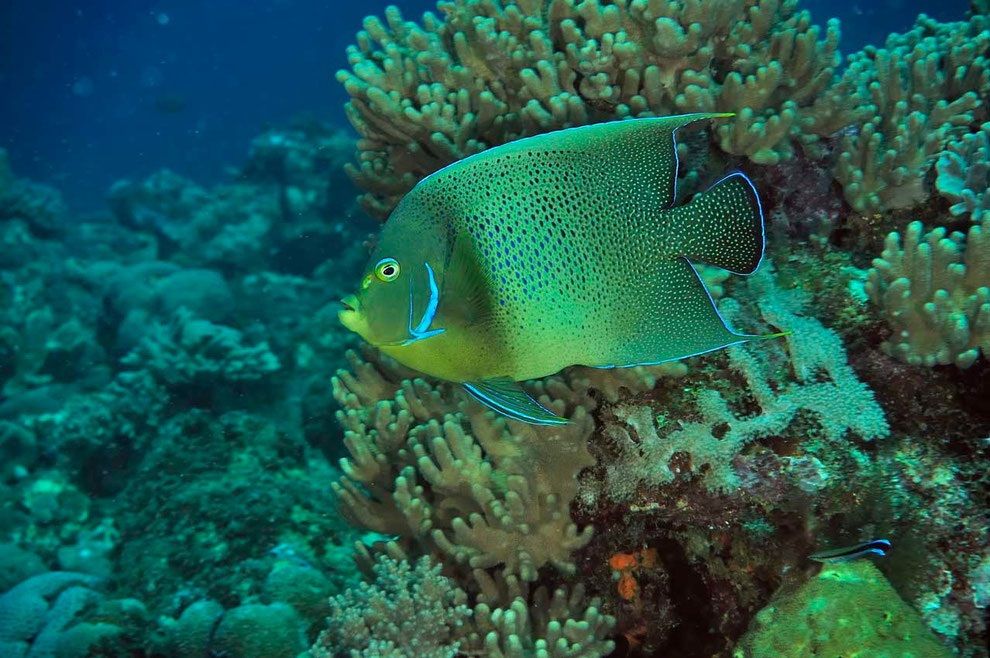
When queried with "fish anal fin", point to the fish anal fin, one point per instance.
{"points": [[677, 318], [509, 399]]}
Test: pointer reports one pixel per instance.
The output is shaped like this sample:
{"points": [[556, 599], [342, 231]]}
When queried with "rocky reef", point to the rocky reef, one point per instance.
{"points": [[167, 430], [182, 474]]}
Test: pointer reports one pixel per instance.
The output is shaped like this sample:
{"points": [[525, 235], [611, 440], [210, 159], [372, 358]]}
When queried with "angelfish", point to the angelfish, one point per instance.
{"points": [[555, 250]]}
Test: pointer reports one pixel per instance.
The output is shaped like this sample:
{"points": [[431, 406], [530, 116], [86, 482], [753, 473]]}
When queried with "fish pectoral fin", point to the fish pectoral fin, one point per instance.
{"points": [[509, 399], [466, 298]]}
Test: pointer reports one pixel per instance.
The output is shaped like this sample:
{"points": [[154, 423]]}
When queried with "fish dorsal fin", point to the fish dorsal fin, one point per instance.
{"points": [[467, 291], [637, 154], [509, 399]]}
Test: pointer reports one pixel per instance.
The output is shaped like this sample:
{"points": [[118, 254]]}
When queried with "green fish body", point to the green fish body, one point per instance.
{"points": [[556, 250]]}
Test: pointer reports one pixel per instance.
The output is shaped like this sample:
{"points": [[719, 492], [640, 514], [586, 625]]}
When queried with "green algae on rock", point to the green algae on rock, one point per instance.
{"points": [[848, 609]]}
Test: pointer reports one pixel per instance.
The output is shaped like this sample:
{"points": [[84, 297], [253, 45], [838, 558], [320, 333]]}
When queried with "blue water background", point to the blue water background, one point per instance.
{"points": [[97, 90]]}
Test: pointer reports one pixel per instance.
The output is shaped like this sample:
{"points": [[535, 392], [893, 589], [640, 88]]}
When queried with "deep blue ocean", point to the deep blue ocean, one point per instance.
{"points": [[96, 91]]}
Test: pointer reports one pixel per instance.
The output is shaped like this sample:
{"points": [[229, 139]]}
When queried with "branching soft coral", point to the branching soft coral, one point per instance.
{"points": [[414, 610], [914, 96], [455, 480], [407, 610], [484, 491], [964, 175], [933, 288], [490, 71]]}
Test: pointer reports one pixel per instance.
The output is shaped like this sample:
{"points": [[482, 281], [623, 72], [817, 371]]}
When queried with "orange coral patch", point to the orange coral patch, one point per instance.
{"points": [[622, 561], [628, 587]]}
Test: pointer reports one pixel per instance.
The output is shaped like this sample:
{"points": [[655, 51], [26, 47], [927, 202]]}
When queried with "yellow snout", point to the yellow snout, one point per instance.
{"points": [[349, 314]]}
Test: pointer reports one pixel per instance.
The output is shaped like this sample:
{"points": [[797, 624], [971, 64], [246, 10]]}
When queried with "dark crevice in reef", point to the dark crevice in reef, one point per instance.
{"points": [[695, 637]]}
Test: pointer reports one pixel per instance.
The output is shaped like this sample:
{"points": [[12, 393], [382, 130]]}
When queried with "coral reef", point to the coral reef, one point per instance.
{"points": [[169, 429], [489, 72], [190, 351], [283, 213], [120, 348], [734, 464]]}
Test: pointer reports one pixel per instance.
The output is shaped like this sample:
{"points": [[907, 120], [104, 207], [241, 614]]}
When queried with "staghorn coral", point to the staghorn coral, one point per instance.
{"points": [[915, 95], [933, 288], [810, 376], [964, 175], [491, 71]]}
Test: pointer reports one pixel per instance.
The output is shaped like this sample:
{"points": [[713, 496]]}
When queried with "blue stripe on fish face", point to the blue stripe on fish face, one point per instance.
{"points": [[422, 329], [431, 307]]}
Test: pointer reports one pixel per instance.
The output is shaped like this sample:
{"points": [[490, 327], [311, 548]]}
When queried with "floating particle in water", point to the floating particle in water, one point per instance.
{"points": [[162, 18], [83, 87], [151, 76]]}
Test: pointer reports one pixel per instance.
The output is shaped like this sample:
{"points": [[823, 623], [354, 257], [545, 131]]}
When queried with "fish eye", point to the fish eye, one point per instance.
{"points": [[387, 269]]}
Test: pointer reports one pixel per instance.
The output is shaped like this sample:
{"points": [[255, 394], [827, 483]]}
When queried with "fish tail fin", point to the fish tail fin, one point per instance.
{"points": [[722, 226]]}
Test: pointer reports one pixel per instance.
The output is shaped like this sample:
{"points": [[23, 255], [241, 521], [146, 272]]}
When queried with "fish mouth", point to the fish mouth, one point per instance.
{"points": [[348, 313], [349, 303]]}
